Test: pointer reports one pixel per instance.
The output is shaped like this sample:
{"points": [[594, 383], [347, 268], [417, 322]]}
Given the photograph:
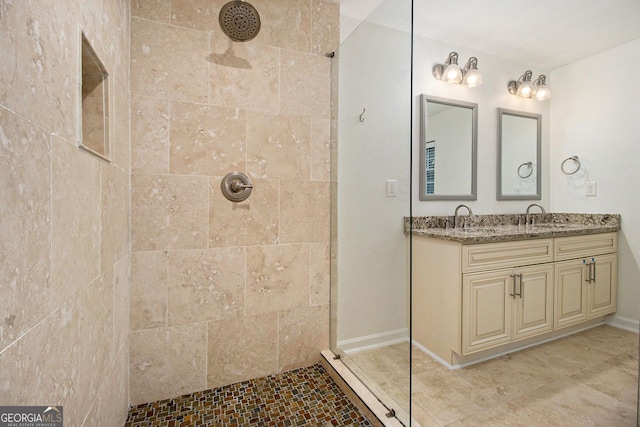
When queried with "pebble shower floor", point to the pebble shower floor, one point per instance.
{"points": [[304, 397]]}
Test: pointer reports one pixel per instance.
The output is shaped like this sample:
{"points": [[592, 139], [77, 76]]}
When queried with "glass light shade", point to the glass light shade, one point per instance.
{"points": [[472, 78], [525, 89], [542, 93], [452, 74]]}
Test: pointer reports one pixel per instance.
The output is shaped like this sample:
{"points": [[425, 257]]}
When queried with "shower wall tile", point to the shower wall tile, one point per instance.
{"points": [[169, 212], [304, 211], [149, 135], [205, 285], [308, 96], [154, 10], [76, 234], [206, 140], [96, 338], [149, 289], [325, 26], [121, 304], [320, 149], [167, 362], [25, 217], [168, 61], [38, 75], [302, 331], [244, 75], [319, 275], [196, 14], [114, 214], [121, 126], [251, 222], [277, 278], [278, 146], [242, 348], [43, 365], [285, 24]]}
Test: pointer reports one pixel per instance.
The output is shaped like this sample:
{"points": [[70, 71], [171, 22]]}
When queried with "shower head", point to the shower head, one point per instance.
{"points": [[239, 20]]}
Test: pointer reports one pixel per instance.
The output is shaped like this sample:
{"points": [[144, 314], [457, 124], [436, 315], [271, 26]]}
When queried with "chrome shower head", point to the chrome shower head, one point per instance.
{"points": [[239, 20]]}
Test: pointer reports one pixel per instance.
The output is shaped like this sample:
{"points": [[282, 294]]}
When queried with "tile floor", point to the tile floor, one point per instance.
{"points": [[304, 397], [590, 378]]}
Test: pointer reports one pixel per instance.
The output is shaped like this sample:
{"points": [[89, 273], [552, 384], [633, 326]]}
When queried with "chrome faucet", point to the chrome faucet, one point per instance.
{"points": [[527, 217], [455, 214]]}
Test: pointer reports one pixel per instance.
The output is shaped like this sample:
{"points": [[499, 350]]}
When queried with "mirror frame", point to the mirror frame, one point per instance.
{"points": [[474, 148], [538, 117]]}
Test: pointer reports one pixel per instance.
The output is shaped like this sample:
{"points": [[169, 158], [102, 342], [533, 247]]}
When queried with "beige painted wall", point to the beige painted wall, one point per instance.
{"points": [[223, 292], [64, 214]]}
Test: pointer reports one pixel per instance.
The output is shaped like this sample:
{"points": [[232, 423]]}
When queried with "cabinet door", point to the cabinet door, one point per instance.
{"points": [[603, 289], [486, 310], [570, 293], [534, 302]]}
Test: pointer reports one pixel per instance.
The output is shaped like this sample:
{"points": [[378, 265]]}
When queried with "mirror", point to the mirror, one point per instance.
{"points": [[448, 149], [519, 146]]}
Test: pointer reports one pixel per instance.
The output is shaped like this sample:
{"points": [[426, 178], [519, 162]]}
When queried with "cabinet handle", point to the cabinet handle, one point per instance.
{"points": [[513, 294], [588, 264], [593, 262], [521, 294]]}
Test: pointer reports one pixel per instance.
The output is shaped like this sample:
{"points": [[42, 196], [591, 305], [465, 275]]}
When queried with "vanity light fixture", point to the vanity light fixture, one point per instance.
{"points": [[525, 88], [450, 72]]}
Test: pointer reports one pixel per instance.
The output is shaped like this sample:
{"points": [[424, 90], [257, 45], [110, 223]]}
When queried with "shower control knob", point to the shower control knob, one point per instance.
{"points": [[236, 186]]}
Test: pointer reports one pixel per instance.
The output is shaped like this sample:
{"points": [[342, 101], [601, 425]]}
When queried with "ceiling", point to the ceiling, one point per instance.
{"points": [[545, 34]]}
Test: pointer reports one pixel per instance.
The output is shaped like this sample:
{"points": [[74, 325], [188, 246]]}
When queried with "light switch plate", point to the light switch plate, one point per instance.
{"points": [[592, 189], [392, 188]]}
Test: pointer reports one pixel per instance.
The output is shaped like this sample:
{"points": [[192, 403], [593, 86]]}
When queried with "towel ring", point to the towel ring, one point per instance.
{"points": [[575, 159], [530, 165]]}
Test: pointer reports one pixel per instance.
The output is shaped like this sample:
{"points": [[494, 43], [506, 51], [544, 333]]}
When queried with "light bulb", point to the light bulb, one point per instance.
{"points": [[452, 74], [472, 78], [525, 89], [542, 93]]}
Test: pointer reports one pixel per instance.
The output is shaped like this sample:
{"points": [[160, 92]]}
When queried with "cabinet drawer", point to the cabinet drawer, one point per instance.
{"points": [[491, 256], [585, 246]]}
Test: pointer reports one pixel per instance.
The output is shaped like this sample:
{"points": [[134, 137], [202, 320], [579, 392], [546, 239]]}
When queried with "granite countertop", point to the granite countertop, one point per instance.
{"points": [[504, 227]]}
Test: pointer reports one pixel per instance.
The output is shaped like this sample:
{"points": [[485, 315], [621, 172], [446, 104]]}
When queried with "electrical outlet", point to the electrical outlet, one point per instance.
{"points": [[592, 189], [392, 187]]}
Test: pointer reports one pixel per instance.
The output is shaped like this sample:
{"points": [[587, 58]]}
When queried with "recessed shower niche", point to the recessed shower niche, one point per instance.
{"points": [[94, 109]]}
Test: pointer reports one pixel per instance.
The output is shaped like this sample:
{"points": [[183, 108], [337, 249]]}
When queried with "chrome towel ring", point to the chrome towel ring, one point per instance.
{"points": [[529, 165], [575, 160]]}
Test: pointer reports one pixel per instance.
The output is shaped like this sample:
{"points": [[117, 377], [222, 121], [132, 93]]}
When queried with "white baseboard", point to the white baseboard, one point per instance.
{"points": [[373, 341], [625, 323], [435, 357]]}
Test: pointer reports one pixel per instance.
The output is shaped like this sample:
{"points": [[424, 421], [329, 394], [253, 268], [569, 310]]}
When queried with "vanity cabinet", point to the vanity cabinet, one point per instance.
{"points": [[475, 300]]}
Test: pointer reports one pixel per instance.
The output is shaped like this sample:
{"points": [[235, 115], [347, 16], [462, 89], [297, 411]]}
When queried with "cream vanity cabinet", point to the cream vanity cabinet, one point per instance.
{"points": [[471, 298]]}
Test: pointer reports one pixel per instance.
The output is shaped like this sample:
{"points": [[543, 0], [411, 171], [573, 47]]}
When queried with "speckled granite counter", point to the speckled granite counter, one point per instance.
{"points": [[504, 227]]}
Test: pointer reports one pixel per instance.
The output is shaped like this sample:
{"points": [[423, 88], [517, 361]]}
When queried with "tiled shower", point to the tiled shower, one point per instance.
{"points": [[135, 280]]}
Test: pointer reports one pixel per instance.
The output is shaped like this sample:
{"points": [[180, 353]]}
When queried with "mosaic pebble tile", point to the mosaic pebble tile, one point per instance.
{"points": [[303, 397]]}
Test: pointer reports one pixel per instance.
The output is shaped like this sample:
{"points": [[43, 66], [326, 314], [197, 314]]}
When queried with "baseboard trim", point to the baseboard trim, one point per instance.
{"points": [[373, 341], [625, 323]]}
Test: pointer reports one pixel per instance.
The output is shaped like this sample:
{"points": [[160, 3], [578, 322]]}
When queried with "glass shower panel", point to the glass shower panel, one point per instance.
{"points": [[371, 196]]}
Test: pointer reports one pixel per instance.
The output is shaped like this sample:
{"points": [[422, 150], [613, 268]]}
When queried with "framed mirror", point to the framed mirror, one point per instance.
{"points": [[519, 154], [448, 149]]}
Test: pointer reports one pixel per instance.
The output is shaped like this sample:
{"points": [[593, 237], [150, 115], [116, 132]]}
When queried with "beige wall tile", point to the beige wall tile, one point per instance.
{"points": [[149, 135], [244, 75], [115, 214], [43, 365], [154, 10], [304, 84], [148, 290], [38, 75], [169, 212], [168, 61], [120, 144], [75, 259], [319, 286], [320, 149], [248, 223], [277, 278], [278, 146], [168, 362], [196, 14], [325, 26], [304, 211], [205, 285], [25, 216], [285, 24], [303, 333], [121, 304], [206, 140], [95, 338], [242, 349]]}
